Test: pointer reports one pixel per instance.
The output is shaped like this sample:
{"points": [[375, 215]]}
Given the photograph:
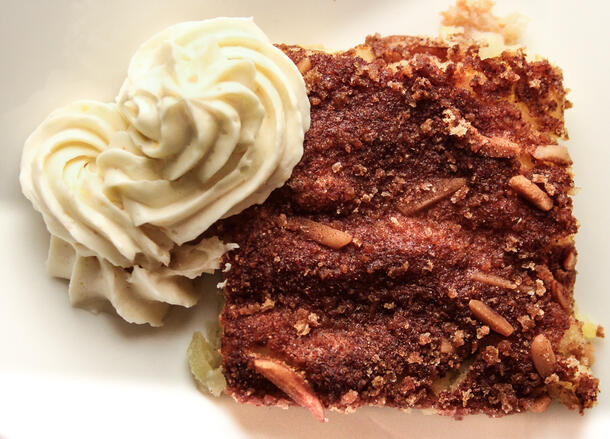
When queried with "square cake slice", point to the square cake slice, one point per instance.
{"points": [[422, 253]]}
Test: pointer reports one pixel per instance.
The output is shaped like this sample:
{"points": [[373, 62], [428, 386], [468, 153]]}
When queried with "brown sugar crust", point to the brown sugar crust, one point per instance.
{"points": [[411, 149]]}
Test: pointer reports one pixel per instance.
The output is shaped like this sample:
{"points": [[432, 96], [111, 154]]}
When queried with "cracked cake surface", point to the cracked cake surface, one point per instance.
{"points": [[422, 254]]}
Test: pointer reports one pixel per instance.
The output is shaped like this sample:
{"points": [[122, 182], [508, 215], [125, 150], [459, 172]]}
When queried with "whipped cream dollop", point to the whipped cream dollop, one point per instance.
{"points": [[209, 121], [217, 116]]}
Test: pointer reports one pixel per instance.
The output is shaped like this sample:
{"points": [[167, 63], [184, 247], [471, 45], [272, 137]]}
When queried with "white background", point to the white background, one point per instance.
{"points": [[67, 373]]}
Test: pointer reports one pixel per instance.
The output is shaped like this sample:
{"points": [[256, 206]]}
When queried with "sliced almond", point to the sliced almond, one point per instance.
{"points": [[491, 318], [442, 189], [553, 153], [321, 233], [569, 263], [494, 146], [501, 147], [560, 294], [528, 190], [292, 384], [543, 355], [558, 291], [492, 279]]}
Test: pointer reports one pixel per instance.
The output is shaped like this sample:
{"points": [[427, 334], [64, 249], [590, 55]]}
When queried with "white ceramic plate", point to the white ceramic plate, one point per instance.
{"points": [[67, 373]]}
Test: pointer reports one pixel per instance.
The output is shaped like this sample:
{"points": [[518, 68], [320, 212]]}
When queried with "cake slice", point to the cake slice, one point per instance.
{"points": [[422, 253]]}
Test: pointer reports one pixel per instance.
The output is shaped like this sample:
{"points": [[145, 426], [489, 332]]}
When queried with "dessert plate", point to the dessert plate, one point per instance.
{"points": [[67, 373]]}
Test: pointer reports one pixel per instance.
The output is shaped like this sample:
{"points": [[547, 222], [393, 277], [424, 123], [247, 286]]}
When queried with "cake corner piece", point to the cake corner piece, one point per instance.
{"points": [[422, 253]]}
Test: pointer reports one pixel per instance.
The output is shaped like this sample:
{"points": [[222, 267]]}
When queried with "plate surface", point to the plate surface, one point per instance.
{"points": [[67, 373]]}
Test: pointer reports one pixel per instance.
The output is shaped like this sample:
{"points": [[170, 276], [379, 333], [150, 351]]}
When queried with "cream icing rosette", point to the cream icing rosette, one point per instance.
{"points": [[209, 121], [217, 115]]}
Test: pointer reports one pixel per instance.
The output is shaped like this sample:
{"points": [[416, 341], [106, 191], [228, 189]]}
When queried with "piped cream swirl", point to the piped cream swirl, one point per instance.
{"points": [[217, 116], [209, 121]]}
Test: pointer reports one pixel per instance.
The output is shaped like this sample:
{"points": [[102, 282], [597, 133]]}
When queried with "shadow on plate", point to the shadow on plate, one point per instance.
{"points": [[384, 422], [204, 315]]}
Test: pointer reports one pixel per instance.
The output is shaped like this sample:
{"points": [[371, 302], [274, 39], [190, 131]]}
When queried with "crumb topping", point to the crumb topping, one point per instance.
{"points": [[421, 255]]}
